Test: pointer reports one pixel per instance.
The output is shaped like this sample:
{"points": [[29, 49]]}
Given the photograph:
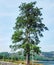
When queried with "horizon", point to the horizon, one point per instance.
{"points": [[8, 13]]}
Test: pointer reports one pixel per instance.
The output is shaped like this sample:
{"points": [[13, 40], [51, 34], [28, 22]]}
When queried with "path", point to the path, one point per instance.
{"points": [[7, 63]]}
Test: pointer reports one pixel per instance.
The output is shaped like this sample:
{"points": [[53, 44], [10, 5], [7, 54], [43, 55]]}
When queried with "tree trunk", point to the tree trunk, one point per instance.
{"points": [[28, 59]]}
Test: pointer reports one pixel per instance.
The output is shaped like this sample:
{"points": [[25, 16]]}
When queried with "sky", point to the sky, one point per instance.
{"points": [[9, 11]]}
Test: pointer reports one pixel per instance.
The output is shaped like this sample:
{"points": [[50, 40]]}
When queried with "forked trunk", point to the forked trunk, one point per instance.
{"points": [[28, 59]]}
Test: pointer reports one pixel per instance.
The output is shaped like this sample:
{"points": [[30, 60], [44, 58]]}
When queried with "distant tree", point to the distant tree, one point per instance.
{"points": [[28, 28]]}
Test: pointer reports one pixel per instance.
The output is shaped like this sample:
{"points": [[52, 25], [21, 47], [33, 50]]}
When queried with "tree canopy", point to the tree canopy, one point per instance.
{"points": [[28, 28]]}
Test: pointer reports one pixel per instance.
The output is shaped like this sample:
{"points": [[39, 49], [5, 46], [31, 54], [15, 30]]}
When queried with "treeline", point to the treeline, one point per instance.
{"points": [[21, 56], [4, 55], [11, 56]]}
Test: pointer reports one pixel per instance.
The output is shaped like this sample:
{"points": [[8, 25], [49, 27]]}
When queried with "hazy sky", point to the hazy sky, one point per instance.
{"points": [[8, 13]]}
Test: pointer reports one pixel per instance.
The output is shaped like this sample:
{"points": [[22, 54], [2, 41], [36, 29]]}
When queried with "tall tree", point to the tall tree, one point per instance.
{"points": [[28, 28]]}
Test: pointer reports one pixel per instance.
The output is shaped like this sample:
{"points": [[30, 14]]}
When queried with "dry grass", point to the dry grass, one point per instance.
{"points": [[20, 63], [24, 63]]}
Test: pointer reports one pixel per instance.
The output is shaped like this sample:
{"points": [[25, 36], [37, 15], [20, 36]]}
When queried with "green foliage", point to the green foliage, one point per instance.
{"points": [[17, 36], [28, 28], [36, 49], [4, 55]]}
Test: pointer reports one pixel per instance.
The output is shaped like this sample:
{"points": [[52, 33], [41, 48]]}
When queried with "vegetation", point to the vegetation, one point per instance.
{"points": [[19, 57], [28, 28]]}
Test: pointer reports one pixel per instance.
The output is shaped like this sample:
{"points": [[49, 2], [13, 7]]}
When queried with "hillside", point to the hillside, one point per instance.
{"points": [[49, 55], [19, 56]]}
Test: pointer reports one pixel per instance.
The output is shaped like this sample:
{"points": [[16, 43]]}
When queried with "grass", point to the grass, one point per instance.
{"points": [[24, 63], [21, 62]]}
